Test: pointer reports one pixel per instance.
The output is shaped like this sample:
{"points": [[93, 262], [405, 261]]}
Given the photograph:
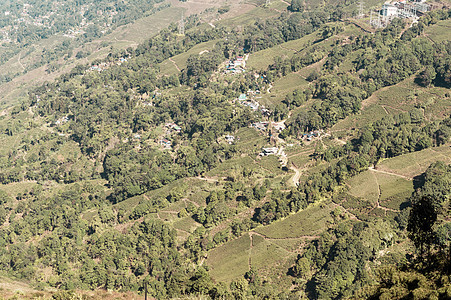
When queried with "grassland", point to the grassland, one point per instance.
{"points": [[230, 260], [380, 190], [364, 185], [439, 32], [249, 18], [396, 99], [267, 248], [174, 64], [415, 163], [308, 222], [282, 87], [262, 59]]}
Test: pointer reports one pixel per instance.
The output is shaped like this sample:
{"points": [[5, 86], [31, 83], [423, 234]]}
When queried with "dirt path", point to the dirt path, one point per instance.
{"points": [[378, 202], [188, 200], [269, 88], [251, 246], [351, 215], [340, 141], [311, 237], [175, 64], [296, 176], [18, 60], [131, 43], [207, 179], [389, 173], [386, 111]]}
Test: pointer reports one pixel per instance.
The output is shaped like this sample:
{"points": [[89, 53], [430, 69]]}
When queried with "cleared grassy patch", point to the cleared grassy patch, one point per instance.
{"points": [[263, 58], [265, 253], [17, 187], [391, 186], [250, 17], [308, 222], [143, 28], [364, 185], [232, 166], [186, 224], [439, 32], [168, 67], [369, 114], [250, 140], [394, 190], [415, 163], [281, 88], [230, 260], [271, 164], [292, 245]]}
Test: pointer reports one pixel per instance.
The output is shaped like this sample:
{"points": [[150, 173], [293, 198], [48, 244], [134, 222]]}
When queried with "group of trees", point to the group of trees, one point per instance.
{"points": [[388, 137], [76, 229], [98, 104], [385, 61], [336, 265], [425, 275]]}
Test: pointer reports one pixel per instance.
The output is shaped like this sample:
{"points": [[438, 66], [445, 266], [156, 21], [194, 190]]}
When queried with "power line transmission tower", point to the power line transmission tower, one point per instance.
{"points": [[182, 26], [361, 9], [375, 21]]}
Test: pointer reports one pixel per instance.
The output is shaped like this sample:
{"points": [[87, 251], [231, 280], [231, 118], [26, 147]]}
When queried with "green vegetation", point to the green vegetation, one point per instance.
{"points": [[278, 153]]}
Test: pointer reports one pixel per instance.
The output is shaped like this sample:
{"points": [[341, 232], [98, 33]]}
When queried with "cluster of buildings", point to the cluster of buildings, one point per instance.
{"points": [[269, 151], [105, 65], [263, 125], [400, 9], [171, 127], [237, 65], [63, 120], [275, 151], [244, 100]]}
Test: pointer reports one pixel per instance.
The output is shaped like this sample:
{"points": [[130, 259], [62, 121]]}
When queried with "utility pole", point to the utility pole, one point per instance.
{"points": [[182, 26]]}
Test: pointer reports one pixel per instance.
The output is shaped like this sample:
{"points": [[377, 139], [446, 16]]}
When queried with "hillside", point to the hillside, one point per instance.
{"points": [[262, 151], [36, 57]]}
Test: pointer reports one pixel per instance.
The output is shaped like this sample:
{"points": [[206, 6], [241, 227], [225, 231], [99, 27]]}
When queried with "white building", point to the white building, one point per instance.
{"points": [[269, 151], [389, 10]]}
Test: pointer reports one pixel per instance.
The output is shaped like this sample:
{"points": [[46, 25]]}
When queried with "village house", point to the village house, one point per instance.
{"points": [[165, 143], [278, 126], [259, 125], [269, 151], [312, 134], [229, 139], [174, 127]]}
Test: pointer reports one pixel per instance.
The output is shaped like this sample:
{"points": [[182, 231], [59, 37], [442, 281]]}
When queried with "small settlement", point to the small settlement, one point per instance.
{"points": [[237, 65], [105, 65], [171, 128], [248, 100]]}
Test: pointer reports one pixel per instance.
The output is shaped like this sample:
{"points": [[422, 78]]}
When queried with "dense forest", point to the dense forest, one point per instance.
{"points": [[109, 149]]}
